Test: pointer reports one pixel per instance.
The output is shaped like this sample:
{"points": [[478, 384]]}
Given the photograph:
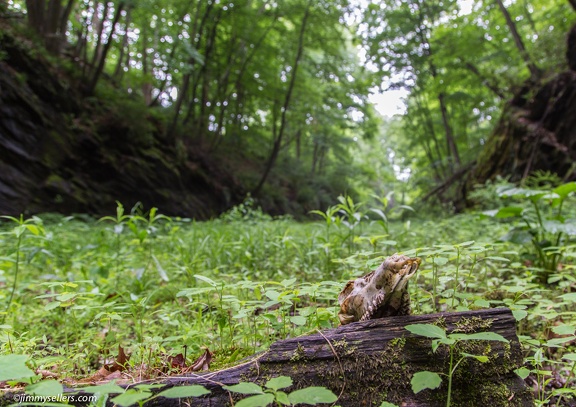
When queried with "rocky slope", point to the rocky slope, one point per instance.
{"points": [[60, 152]]}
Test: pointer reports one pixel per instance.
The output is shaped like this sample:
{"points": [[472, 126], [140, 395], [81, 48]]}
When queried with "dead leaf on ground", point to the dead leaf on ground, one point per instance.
{"points": [[203, 362]]}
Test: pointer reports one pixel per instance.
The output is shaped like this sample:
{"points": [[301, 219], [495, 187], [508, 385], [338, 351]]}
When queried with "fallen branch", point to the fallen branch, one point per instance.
{"points": [[366, 363]]}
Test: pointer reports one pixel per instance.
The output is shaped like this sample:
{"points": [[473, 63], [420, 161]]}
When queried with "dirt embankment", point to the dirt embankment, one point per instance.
{"points": [[60, 152]]}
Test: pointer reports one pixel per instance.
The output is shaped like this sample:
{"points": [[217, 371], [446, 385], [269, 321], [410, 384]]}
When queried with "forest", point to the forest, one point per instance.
{"points": [[185, 184]]}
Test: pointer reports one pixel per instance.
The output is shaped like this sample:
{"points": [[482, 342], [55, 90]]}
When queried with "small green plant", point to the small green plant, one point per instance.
{"points": [[543, 224], [271, 393], [245, 211], [32, 225], [432, 380], [120, 220], [386, 209]]}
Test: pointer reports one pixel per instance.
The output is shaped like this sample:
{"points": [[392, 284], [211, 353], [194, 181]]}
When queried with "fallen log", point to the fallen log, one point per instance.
{"points": [[366, 363]]}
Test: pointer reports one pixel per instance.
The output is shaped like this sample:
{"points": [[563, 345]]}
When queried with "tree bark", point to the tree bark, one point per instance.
{"points": [[366, 363]]}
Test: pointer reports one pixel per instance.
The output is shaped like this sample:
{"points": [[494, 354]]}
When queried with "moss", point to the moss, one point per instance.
{"points": [[440, 322], [299, 354], [470, 325], [385, 376]]}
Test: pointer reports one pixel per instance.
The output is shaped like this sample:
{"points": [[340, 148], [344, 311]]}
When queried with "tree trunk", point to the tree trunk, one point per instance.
{"points": [[449, 132], [96, 22], [537, 131], [278, 140], [124, 44], [366, 363], [423, 33], [102, 60], [49, 20], [534, 71]]}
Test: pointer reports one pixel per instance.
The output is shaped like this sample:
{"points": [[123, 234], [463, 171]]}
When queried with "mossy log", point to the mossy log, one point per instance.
{"points": [[366, 363]]}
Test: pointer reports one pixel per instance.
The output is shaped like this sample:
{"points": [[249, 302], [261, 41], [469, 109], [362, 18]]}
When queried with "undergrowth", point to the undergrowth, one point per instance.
{"points": [[79, 291]]}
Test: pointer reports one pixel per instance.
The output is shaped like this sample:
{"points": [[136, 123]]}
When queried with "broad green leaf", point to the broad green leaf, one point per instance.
{"points": [[482, 303], [288, 283], [522, 372], [425, 380], [440, 261], [570, 297], [565, 189], [66, 297], [564, 329], [244, 388], [14, 367], [282, 398], [312, 396], [563, 390], [386, 404], [193, 291], [272, 294], [161, 272], [427, 330], [498, 258], [506, 212], [261, 400], [34, 229], [45, 388], [108, 388], [380, 213], [131, 397], [206, 279], [570, 356], [480, 358], [298, 320], [519, 314], [556, 342], [177, 392], [532, 194], [517, 235], [280, 382], [554, 226], [491, 213]]}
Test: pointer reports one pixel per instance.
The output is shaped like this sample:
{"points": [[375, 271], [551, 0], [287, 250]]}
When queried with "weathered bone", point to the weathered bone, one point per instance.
{"points": [[380, 293]]}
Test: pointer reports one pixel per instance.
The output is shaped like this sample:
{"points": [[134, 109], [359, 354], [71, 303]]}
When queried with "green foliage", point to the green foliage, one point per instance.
{"points": [[542, 224], [14, 367], [154, 285], [431, 380], [270, 393], [33, 226]]}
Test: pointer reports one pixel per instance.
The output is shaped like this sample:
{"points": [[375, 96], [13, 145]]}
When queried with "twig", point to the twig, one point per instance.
{"points": [[339, 363]]}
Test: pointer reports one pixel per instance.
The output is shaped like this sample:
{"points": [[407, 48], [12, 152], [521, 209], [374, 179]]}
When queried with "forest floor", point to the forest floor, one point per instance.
{"points": [[141, 296]]}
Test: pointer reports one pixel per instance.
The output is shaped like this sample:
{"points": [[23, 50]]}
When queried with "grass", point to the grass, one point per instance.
{"points": [[159, 286]]}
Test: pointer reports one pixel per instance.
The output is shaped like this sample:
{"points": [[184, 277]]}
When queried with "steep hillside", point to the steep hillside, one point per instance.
{"points": [[64, 153]]}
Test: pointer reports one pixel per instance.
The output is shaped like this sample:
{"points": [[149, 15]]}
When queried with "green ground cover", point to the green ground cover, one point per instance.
{"points": [[74, 289]]}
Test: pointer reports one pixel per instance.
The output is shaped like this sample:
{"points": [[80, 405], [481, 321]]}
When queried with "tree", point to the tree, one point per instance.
{"points": [[49, 18], [278, 134]]}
